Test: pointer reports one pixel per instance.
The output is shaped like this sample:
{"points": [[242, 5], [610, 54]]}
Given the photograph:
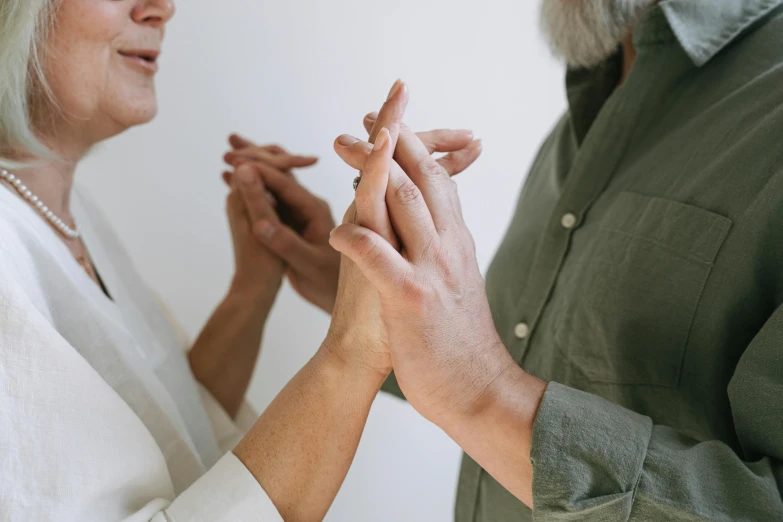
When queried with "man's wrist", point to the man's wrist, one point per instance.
{"points": [[512, 397]]}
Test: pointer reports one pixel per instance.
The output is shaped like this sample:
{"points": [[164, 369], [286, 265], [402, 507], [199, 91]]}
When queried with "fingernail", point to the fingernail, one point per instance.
{"points": [[372, 116], [346, 140], [395, 89], [331, 232], [246, 176], [466, 131], [266, 230], [381, 140]]}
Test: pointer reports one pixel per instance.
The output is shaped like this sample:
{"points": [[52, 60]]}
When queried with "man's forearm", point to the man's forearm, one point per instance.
{"points": [[498, 432], [302, 446], [224, 356]]}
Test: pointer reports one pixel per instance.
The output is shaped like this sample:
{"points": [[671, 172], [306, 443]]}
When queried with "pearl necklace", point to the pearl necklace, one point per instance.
{"points": [[71, 233]]}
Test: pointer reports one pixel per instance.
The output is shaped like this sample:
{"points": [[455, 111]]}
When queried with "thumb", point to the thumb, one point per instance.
{"points": [[286, 244], [376, 258]]}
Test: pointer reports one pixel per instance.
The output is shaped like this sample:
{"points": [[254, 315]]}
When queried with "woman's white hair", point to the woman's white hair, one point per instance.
{"points": [[23, 28]]}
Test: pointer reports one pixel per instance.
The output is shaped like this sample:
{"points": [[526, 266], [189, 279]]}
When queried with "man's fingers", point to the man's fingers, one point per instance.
{"points": [[445, 140], [355, 152], [378, 261], [432, 179], [456, 162], [439, 140], [286, 244], [254, 194], [370, 195], [409, 214]]}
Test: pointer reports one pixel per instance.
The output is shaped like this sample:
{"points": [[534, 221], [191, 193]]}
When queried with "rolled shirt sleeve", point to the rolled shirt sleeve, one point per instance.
{"points": [[596, 461], [227, 492]]}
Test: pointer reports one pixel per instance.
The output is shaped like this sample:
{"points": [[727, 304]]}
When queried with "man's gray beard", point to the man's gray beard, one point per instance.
{"points": [[586, 32]]}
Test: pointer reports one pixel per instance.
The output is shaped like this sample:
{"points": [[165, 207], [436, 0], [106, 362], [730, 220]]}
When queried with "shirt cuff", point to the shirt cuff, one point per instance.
{"points": [[587, 456], [226, 493], [228, 431]]}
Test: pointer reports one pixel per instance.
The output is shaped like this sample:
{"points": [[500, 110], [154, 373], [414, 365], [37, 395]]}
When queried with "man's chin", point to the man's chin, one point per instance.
{"points": [[584, 33]]}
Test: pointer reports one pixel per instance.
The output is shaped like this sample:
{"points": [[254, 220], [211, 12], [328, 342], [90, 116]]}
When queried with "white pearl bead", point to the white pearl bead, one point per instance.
{"points": [[55, 220]]}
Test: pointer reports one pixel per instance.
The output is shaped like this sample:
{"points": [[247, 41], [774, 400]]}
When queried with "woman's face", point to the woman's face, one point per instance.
{"points": [[100, 62]]}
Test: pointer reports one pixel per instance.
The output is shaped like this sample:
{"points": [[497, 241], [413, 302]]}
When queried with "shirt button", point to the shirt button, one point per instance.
{"points": [[568, 221], [522, 330]]}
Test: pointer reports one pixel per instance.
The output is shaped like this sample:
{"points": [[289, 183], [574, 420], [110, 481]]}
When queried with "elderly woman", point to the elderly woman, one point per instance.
{"points": [[104, 417]]}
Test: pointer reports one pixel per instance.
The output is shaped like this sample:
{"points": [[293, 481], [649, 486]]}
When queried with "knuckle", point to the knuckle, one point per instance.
{"points": [[417, 296], [407, 192], [428, 167], [365, 247], [323, 206], [363, 200]]}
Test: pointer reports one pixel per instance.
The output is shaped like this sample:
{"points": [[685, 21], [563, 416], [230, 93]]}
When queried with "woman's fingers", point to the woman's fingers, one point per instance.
{"points": [[286, 244], [371, 193], [254, 194], [296, 198], [402, 201], [392, 112], [238, 142], [280, 161]]}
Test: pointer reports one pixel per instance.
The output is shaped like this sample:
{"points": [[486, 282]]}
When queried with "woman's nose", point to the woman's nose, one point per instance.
{"points": [[154, 12]]}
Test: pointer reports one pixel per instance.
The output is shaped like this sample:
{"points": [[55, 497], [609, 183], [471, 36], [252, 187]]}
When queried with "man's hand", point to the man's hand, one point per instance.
{"points": [[447, 356], [444, 345]]}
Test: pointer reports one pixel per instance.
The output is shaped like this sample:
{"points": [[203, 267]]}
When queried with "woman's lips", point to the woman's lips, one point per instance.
{"points": [[147, 60]]}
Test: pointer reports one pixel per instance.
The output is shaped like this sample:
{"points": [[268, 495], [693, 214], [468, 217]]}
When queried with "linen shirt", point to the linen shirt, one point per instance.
{"points": [[100, 416], [642, 277]]}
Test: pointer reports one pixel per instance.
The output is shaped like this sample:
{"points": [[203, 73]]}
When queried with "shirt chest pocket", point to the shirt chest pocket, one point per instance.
{"points": [[638, 292]]}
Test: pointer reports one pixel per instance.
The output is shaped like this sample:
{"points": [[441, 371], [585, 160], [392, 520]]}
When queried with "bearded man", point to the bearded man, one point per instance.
{"points": [[626, 361]]}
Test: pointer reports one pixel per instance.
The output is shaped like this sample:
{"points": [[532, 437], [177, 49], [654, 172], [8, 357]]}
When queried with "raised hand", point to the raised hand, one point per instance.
{"points": [[301, 235], [444, 346]]}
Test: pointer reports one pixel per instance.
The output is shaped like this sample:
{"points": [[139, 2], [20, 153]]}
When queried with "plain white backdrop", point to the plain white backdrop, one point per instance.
{"points": [[299, 73]]}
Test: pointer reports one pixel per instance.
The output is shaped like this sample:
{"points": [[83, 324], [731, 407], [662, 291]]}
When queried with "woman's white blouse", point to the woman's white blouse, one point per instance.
{"points": [[100, 417]]}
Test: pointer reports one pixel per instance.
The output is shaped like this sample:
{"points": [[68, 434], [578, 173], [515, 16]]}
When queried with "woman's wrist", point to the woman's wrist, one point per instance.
{"points": [[345, 355], [257, 292]]}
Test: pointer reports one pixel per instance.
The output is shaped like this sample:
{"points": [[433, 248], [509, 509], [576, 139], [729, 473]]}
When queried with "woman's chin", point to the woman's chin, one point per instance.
{"points": [[138, 115]]}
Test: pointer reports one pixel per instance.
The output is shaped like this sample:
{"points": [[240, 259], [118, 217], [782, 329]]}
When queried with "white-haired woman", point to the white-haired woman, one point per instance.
{"points": [[102, 416]]}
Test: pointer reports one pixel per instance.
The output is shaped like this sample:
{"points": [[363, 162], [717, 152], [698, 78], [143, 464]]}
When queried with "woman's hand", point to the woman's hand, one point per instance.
{"points": [[224, 355], [258, 271], [301, 236]]}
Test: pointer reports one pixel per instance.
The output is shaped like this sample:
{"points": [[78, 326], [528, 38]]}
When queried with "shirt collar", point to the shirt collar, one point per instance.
{"points": [[705, 27]]}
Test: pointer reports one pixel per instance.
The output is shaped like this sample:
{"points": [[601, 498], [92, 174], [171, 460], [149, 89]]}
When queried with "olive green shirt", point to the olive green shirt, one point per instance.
{"points": [[642, 276]]}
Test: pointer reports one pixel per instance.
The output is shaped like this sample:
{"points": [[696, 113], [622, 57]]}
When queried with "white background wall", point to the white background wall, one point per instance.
{"points": [[299, 73]]}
